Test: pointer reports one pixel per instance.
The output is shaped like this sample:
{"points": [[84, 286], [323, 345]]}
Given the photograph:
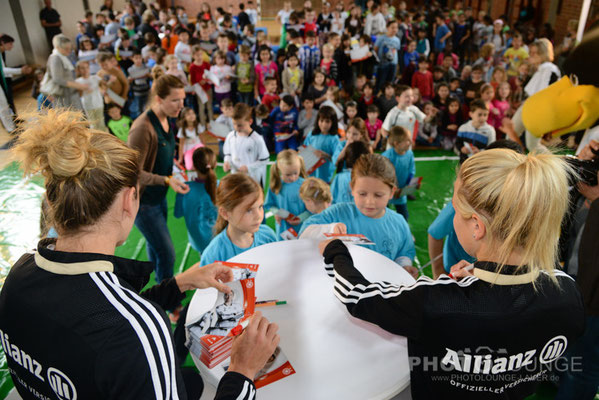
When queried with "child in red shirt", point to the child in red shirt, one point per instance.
{"points": [[423, 80], [196, 75], [270, 98]]}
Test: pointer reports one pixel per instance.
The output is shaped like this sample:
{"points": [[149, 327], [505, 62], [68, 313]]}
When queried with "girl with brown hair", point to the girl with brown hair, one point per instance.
{"points": [[373, 184], [240, 203], [286, 177], [197, 207]]}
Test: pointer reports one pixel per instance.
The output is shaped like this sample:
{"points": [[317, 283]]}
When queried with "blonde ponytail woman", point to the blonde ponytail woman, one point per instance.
{"points": [[491, 329]]}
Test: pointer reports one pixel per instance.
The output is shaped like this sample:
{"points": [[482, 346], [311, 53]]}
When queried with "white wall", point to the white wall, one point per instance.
{"points": [[35, 30], [70, 12], [7, 26]]}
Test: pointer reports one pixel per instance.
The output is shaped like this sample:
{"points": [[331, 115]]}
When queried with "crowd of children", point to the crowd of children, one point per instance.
{"points": [[345, 84]]}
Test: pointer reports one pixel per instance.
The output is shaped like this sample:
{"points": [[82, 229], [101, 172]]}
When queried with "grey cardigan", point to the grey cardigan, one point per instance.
{"points": [[61, 75]]}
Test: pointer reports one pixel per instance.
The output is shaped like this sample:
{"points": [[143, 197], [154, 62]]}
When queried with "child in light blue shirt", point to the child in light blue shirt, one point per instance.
{"points": [[286, 177], [240, 202], [402, 159], [340, 188], [325, 139], [197, 206], [316, 195], [222, 248], [442, 227], [356, 130], [372, 187]]}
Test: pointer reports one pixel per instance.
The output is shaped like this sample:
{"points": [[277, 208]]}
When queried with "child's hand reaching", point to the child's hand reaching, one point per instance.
{"points": [[412, 271], [278, 219], [322, 154], [323, 245], [226, 166], [243, 168], [340, 228]]}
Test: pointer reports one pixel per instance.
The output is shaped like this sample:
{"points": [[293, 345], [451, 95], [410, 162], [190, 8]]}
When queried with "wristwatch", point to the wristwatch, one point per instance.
{"points": [[167, 181]]}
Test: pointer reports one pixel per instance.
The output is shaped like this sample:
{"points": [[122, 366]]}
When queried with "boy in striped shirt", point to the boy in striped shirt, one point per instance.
{"points": [[475, 135]]}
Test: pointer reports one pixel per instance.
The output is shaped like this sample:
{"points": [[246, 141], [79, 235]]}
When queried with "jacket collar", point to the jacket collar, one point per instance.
{"points": [[510, 274], [136, 273]]}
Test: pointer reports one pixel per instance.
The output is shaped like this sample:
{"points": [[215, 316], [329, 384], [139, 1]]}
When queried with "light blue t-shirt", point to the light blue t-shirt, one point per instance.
{"points": [[287, 199], [221, 248], [328, 144], [405, 169], [338, 150], [442, 227], [340, 188], [199, 213], [388, 48], [390, 233]]}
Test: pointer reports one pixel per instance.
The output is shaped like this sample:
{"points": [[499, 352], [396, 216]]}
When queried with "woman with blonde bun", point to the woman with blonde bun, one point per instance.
{"points": [[73, 320], [494, 328]]}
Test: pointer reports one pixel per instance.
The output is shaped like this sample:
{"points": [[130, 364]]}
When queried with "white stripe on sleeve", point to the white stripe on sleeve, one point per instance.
{"points": [[138, 330], [170, 367]]}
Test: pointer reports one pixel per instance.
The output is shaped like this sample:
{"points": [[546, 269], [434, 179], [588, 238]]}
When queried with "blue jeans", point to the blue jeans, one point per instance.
{"points": [[290, 143], [246, 98], [581, 382], [137, 105], [403, 210], [151, 221], [385, 73]]}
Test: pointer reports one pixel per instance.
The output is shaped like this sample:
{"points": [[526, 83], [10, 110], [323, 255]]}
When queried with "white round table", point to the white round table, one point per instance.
{"points": [[335, 355]]}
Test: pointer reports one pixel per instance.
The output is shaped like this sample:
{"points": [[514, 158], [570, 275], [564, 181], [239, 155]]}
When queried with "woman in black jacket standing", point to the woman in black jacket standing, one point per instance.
{"points": [[73, 322]]}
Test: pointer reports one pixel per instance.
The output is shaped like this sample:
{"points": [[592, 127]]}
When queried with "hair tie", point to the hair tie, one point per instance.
{"points": [[208, 166], [316, 193]]}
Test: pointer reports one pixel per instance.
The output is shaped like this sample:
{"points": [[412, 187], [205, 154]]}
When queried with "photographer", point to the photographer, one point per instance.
{"points": [[583, 383]]}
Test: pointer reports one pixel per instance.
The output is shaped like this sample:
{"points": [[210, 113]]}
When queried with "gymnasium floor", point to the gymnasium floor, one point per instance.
{"points": [[20, 200]]}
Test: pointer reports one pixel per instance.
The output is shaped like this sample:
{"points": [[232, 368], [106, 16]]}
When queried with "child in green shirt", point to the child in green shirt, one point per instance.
{"points": [[118, 124], [244, 70]]}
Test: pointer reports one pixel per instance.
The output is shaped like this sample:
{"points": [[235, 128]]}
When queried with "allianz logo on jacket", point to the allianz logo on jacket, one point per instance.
{"points": [[62, 386], [487, 364]]}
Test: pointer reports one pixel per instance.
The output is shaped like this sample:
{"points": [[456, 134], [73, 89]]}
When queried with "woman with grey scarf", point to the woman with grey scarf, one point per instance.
{"points": [[61, 72]]}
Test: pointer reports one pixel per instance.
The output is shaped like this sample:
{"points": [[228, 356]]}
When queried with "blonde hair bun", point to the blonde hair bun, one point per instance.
{"points": [[85, 169], [57, 143]]}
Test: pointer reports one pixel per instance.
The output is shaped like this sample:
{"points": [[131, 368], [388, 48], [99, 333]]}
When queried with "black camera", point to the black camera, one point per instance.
{"points": [[586, 169]]}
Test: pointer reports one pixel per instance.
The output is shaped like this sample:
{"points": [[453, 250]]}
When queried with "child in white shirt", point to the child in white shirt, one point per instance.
{"points": [[404, 114], [92, 100], [244, 149]]}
